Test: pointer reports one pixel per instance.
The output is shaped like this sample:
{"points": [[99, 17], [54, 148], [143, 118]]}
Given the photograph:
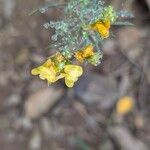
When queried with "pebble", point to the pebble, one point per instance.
{"points": [[41, 101], [35, 141]]}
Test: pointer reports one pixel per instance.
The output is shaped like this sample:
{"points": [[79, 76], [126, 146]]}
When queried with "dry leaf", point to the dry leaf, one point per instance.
{"points": [[41, 101]]}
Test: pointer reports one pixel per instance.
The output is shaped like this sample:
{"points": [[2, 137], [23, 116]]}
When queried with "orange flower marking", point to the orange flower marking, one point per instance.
{"points": [[84, 54]]}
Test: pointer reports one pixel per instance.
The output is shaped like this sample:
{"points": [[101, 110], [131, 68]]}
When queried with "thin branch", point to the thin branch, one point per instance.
{"points": [[43, 9]]}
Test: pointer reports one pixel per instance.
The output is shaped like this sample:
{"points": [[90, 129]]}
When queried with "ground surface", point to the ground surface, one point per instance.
{"points": [[33, 116]]}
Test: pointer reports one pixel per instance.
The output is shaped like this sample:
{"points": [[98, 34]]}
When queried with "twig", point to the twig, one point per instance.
{"points": [[46, 7]]}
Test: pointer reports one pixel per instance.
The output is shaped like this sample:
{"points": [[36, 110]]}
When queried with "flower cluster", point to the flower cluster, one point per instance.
{"points": [[78, 38], [58, 66]]}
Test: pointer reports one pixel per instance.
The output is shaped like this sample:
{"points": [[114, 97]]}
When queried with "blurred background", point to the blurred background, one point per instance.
{"points": [[34, 116]]}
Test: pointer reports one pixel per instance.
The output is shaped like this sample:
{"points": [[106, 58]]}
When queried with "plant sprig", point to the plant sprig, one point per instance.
{"points": [[78, 38]]}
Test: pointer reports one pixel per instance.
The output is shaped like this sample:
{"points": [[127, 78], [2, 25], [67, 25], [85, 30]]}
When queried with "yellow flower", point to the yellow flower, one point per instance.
{"points": [[124, 105], [71, 74], [78, 55], [88, 51], [47, 71], [84, 54], [102, 28], [59, 57]]}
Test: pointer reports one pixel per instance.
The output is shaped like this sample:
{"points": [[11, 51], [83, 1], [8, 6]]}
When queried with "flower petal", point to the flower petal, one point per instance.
{"points": [[69, 83], [88, 51], [73, 70], [79, 56], [124, 105], [102, 28], [103, 31], [35, 71]]}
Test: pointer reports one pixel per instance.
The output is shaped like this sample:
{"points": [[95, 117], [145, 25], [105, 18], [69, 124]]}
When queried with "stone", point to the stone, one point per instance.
{"points": [[41, 101]]}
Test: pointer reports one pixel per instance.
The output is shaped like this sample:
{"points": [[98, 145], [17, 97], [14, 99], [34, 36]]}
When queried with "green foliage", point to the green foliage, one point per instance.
{"points": [[70, 33]]}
